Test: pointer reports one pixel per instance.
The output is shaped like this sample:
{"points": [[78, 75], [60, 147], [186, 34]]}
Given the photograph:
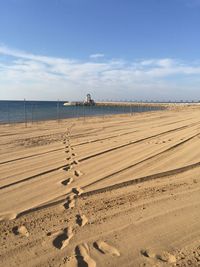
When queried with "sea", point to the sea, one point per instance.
{"points": [[32, 111]]}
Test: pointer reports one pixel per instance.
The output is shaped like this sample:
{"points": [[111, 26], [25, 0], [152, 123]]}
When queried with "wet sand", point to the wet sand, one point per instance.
{"points": [[115, 191]]}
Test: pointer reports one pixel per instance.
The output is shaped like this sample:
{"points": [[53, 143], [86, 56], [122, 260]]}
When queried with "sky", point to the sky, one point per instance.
{"points": [[113, 49]]}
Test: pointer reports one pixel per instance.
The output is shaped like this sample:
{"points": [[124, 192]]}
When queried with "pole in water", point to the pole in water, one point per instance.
{"points": [[84, 112], [32, 113], [25, 115], [58, 111], [8, 113], [130, 109]]}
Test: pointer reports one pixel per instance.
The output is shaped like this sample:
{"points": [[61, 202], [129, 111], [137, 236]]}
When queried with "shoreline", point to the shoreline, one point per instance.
{"points": [[169, 106], [86, 116], [131, 108]]}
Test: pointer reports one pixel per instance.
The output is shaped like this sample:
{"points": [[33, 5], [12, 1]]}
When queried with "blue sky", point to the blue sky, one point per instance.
{"points": [[114, 49]]}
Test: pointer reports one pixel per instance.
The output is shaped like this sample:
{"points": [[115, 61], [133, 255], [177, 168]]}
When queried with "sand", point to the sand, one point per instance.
{"points": [[120, 190]]}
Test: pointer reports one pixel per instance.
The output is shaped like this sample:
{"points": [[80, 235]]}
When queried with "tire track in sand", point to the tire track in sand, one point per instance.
{"points": [[134, 142], [145, 160]]}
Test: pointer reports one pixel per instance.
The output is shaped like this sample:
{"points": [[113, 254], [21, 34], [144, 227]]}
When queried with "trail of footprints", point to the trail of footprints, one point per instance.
{"points": [[71, 165], [62, 238], [82, 252]]}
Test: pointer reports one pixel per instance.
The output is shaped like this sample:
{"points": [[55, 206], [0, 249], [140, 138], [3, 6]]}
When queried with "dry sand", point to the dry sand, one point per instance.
{"points": [[113, 191]]}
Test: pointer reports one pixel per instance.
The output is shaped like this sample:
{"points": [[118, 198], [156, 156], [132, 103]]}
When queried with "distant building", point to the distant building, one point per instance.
{"points": [[89, 101]]}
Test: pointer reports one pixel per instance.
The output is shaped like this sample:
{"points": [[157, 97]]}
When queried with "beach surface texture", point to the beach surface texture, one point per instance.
{"points": [[121, 190]]}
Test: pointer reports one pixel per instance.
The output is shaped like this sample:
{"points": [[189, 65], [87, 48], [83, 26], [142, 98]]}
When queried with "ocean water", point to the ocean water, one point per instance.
{"points": [[31, 111]]}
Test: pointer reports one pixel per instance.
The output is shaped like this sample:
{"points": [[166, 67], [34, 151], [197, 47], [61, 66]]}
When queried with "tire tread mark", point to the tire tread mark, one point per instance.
{"points": [[144, 160], [34, 155], [132, 143], [114, 187], [101, 139], [33, 176], [143, 179]]}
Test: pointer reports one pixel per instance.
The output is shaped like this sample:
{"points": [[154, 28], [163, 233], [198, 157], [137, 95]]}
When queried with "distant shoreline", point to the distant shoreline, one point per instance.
{"points": [[32, 111], [108, 102], [147, 103]]}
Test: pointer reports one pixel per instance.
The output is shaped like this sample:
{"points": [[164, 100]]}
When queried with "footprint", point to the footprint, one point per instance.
{"points": [[70, 204], [67, 168], [148, 253], [20, 230], [62, 240], [67, 181], [77, 173], [104, 248], [81, 220], [77, 190], [83, 257], [166, 257], [75, 162], [73, 154]]}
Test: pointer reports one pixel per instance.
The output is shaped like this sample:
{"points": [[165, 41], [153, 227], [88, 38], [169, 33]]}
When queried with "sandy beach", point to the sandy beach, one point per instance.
{"points": [[112, 191]]}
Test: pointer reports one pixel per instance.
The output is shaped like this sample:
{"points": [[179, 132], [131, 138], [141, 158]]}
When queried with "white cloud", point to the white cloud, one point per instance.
{"points": [[96, 56], [35, 76]]}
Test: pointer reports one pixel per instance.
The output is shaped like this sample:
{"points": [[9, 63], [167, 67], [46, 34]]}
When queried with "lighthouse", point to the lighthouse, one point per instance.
{"points": [[89, 101]]}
